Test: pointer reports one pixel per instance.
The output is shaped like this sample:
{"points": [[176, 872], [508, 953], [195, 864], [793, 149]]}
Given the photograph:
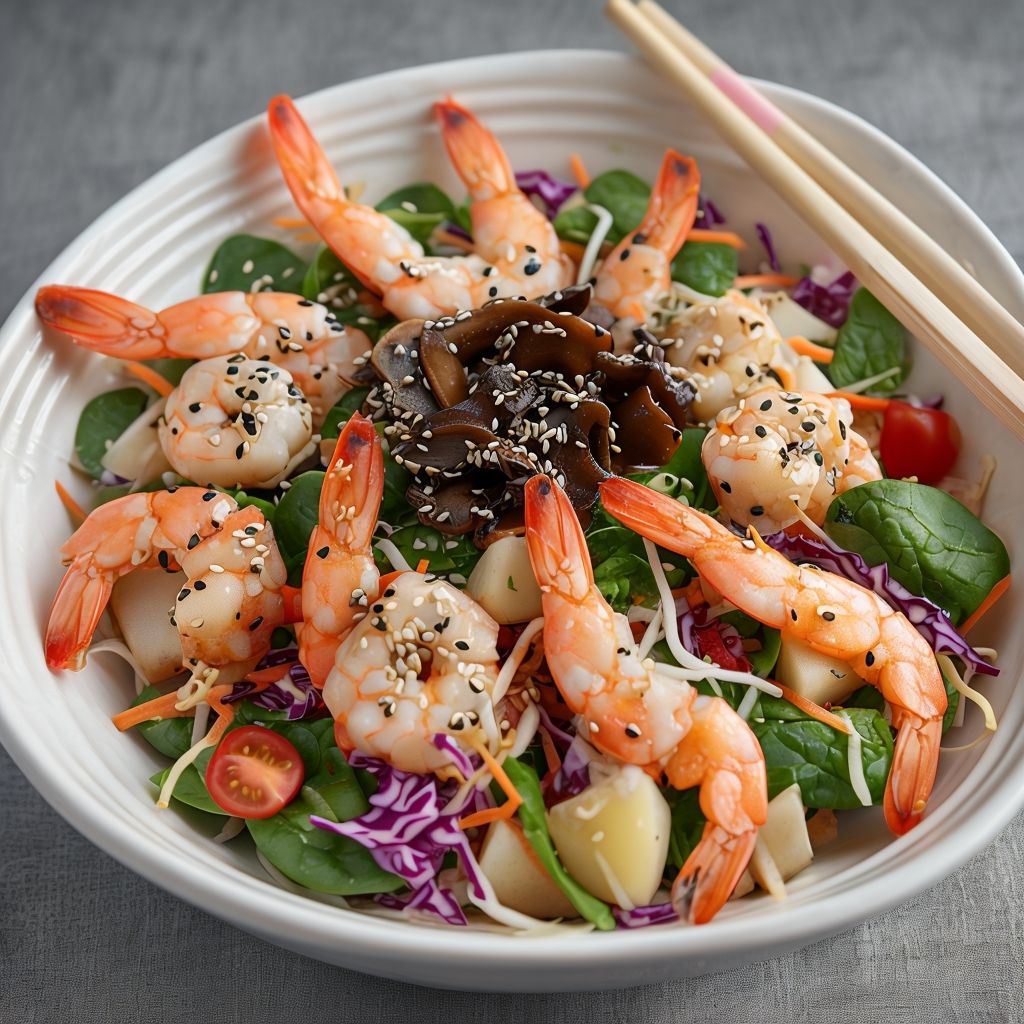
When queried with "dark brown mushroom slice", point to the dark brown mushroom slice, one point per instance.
{"points": [[447, 445], [585, 464], [510, 523], [623, 374], [598, 315], [448, 508], [443, 368], [644, 432], [394, 360], [573, 299]]}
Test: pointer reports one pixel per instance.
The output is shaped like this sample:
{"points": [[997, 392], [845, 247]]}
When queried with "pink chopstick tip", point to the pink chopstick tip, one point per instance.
{"points": [[761, 111]]}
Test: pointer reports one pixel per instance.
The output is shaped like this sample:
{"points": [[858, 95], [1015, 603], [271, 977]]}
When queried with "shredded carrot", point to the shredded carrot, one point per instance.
{"points": [[572, 249], [76, 510], [149, 376], [993, 595], [307, 236], [158, 707], [802, 347], [389, 577], [265, 676], [579, 170], [862, 402], [760, 280], [722, 237], [455, 241], [508, 808], [550, 753], [808, 707], [292, 603], [423, 565], [290, 222]]}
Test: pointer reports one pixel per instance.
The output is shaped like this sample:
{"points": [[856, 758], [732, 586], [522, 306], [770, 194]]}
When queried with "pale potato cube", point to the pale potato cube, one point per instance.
{"points": [[785, 833], [613, 837], [765, 872], [815, 676], [502, 582], [792, 319], [141, 602], [517, 876], [744, 886]]}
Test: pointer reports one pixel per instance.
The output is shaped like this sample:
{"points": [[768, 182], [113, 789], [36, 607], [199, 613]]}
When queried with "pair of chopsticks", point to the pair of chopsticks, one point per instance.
{"points": [[921, 284]]}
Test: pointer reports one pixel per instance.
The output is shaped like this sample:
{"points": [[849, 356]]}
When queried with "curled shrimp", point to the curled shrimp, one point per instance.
{"points": [[829, 613], [139, 531], [422, 662], [340, 575], [776, 449], [236, 422], [638, 271], [731, 348], [303, 337], [382, 254], [641, 716]]}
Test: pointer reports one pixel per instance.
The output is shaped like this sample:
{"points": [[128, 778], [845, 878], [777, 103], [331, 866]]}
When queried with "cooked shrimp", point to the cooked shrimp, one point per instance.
{"points": [[303, 337], [380, 252], [776, 449], [508, 230], [731, 348], [829, 613], [638, 271], [340, 575], [640, 715], [231, 602], [423, 661], [144, 530], [236, 422]]}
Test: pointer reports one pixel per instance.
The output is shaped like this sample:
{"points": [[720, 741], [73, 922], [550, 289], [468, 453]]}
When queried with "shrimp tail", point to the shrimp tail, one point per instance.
{"points": [[673, 206], [102, 322], [77, 607], [475, 153], [913, 772], [555, 541], [709, 876], [307, 171], [354, 480]]}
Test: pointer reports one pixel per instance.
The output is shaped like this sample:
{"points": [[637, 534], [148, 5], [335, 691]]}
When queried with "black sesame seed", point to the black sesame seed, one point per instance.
{"points": [[305, 302], [794, 410], [760, 431], [251, 531], [378, 608], [842, 430], [792, 614], [193, 541], [256, 623], [807, 425], [725, 487], [829, 616], [199, 585], [492, 291], [766, 405], [232, 371], [462, 645], [757, 510], [183, 593], [390, 592], [380, 624], [323, 552], [869, 659], [819, 458], [532, 267], [162, 559], [195, 407], [240, 450], [624, 255], [209, 495]]}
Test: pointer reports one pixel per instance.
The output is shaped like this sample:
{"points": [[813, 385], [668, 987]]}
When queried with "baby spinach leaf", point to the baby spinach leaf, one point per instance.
{"points": [[341, 413], [172, 370], [315, 858], [763, 661], [707, 267], [865, 697], [624, 196], [103, 420], [298, 512], [687, 463], [395, 509], [535, 828], [621, 569], [953, 702], [870, 342], [688, 823], [933, 545], [325, 272], [575, 224], [419, 208], [242, 260], [171, 736], [445, 554], [329, 281], [191, 786]]}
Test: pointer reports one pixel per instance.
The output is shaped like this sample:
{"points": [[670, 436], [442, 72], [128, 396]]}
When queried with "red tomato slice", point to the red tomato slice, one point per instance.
{"points": [[918, 442], [254, 772]]}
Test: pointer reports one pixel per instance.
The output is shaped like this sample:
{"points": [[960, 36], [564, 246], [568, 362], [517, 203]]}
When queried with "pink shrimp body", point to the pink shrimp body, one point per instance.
{"points": [[829, 613], [303, 337], [380, 252], [639, 715], [638, 271], [340, 575]]}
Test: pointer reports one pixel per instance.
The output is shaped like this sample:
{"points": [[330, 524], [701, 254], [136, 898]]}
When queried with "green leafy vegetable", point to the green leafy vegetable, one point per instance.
{"points": [[298, 512], [324, 274], [621, 193], [419, 208], [340, 414], [707, 267], [871, 342], [103, 420], [395, 510], [687, 464], [953, 699], [687, 825], [535, 828], [933, 545], [171, 736], [575, 224], [191, 786], [172, 370], [621, 569], [245, 500], [242, 260]]}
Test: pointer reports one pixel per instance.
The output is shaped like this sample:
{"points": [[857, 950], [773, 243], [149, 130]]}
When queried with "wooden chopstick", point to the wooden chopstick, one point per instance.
{"points": [[961, 292], [985, 374]]}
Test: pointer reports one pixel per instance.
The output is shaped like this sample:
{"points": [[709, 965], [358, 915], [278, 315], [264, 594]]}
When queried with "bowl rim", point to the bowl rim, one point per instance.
{"points": [[305, 923]]}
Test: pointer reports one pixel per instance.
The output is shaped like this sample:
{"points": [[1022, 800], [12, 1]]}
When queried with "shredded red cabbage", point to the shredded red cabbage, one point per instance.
{"points": [[307, 703], [769, 245], [712, 638], [574, 775], [643, 917], [931, 621], [708, 214], [457, 230], [552, 192], [828, 302]]}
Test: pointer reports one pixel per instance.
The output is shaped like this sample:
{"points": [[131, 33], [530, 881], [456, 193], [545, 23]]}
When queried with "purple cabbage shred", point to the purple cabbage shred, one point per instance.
{"points": [[708, 214], [457, 230], [295, 694], [551, 192], [643, 917], [769, 245], [931, 621], [574, 775], [828, 302]]}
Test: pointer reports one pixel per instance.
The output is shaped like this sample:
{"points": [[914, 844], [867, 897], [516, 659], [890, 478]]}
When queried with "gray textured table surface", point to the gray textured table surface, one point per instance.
{"points": [[96, 97]]}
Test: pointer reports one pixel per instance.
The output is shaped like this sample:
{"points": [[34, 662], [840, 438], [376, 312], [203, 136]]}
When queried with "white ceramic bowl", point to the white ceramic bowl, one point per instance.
{"points": [[152, 247]]}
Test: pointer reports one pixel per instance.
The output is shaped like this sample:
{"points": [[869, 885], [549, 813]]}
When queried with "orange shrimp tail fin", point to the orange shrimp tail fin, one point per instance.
{"points": [[711, 872], [76, 612], [912, 776], [555, 541], [673, 206], [475, 153], [307, 171], [101, 321], [360, 487], [317, 653], [658, 517]]}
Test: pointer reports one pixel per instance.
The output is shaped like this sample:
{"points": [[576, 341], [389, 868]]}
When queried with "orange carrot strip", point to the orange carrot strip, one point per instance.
{"points": [[722, 237], [423, 565], [863, 402], [307, 236], [76, 510], [290, 222], [993, 595], [550, 753], [757, 280], [571, 249], [579, 170], [508, 808], [158, 707], [159, 384], [802, 347], [808, 707], [265, 676]]}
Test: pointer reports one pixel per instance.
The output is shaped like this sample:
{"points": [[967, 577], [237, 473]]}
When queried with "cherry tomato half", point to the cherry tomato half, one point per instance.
{"points": [[918, 442], [254, 772]]}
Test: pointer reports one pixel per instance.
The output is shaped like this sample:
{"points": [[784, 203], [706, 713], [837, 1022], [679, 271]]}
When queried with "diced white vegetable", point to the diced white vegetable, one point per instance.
{"points": [[613, 837], [791, 318], [785, 833], [502, 582], [141, 602], [815, 676], [810, 378], [518, 878], [137, 454], [764, 871], [743, 886]]}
